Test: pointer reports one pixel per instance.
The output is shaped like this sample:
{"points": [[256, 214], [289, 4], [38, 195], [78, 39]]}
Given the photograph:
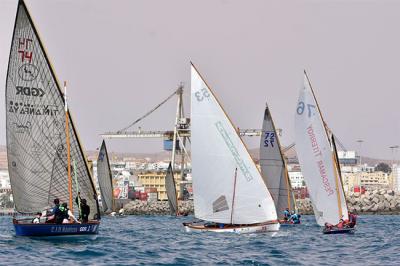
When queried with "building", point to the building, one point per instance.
{"points": [[296, 179], [157, 180], [366, 180]]}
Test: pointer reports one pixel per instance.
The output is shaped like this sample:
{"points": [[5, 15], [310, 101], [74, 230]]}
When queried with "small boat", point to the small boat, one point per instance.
{"points": [[317, 154], [334, 231], [273, 168], [43, 147], [104, 177], [230, 194], [231, 228], [170, 187], [26, 228]]}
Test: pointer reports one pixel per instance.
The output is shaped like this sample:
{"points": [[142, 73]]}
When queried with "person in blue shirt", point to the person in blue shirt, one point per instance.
{"points": [[295, 218], [51, 216], [286, 214]]}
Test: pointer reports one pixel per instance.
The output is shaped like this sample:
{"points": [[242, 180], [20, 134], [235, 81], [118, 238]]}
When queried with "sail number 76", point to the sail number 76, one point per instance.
{"points": [[301, 107]]}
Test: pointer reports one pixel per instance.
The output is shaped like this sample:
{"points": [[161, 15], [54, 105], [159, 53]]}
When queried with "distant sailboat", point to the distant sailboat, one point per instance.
{"points": [[43, 148], [229, 192], [171, 191], [318, 159], [273, 167], [104, 177]]}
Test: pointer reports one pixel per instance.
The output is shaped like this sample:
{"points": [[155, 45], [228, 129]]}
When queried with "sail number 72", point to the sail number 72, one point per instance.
{"points": [[310, 108]]}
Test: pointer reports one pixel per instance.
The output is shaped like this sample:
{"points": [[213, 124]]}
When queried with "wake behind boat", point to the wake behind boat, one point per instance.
{"points": [[43, 147], [229, 192]]}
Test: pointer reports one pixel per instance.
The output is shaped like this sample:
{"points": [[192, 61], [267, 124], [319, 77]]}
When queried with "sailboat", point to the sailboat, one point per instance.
{"points": [[273, 167], [45, 156], [317, 155], [104, 177], [171, 191], [229, 192]]}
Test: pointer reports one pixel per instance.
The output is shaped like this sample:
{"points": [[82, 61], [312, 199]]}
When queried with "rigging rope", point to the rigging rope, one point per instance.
{"points": [[149, 112]]}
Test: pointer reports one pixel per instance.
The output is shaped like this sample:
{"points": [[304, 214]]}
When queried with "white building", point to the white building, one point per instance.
{"points": [[296, 179]]}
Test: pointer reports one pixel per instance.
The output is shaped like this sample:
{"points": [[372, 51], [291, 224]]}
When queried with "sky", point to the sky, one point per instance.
{"points": [[121, 58]]}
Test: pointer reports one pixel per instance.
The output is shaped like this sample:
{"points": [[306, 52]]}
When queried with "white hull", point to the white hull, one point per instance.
{"points": [[244, 229]]}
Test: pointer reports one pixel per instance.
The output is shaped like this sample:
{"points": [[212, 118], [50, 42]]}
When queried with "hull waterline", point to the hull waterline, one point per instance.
{"points": [[239, 229], [42, 229]]}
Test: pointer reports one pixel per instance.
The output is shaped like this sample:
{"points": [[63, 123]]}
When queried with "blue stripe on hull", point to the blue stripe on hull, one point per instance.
{"points": [[56, 229]]}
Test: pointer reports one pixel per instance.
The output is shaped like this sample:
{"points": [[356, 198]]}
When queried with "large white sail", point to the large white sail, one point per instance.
{"points": [[273, 166], [219, 158], [104, 177], [316, 156], [36, 128]]}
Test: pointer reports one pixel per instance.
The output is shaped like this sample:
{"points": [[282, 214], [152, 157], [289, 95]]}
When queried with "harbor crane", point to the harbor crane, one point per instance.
{"points": [[174, 140]]}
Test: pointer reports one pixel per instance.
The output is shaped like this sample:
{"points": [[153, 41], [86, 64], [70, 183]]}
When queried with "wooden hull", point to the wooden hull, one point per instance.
{"points": [[286, 223], [335, 231], [43, 229], [238, 229]]}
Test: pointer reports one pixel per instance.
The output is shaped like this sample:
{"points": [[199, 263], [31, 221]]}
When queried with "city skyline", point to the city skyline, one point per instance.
{"points": [[120, 60]]}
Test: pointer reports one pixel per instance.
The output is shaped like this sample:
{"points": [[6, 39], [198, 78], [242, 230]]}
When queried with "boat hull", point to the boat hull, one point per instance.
{"points": [[339, 231], [42, 229], [238, 229]]}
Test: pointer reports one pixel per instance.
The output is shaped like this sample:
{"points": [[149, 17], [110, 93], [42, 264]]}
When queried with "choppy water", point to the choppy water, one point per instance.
{"points": [[161, 240]]}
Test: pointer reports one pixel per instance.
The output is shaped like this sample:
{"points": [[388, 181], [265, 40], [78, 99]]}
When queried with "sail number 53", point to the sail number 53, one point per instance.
{"points": [[301, 107], [200, 95]]}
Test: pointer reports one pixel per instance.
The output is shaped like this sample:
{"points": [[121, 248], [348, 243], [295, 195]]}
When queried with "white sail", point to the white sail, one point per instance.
{"points": [[217, 153], [273, 167], [316, 157]]}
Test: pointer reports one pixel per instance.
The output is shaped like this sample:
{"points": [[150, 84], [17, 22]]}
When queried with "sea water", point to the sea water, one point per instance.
{"points": [[161, 240]]}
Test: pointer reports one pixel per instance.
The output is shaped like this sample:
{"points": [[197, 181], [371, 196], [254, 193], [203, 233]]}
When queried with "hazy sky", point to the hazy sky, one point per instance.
{"points": [[123, 57]]}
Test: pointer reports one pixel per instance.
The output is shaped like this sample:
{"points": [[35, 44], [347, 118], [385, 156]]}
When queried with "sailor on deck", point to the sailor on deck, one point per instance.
{"points": [[286, 214]]}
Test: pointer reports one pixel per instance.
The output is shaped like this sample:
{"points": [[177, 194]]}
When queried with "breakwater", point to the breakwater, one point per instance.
{"points": [[378, 201], [137, 207]]}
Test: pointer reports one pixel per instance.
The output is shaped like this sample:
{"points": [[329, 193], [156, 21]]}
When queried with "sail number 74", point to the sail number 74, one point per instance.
{"points": [[310, 108]]}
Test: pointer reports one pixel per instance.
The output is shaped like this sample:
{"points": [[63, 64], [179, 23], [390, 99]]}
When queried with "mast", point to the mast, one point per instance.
{"points": [[233, 197], [337, 165], [68, 148]]}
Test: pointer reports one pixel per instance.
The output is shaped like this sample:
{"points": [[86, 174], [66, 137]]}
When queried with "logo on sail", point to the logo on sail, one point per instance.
{"points": [[22, 128], [32, 109], [28, 72], [220, 204], [239, 161], [27, 91]]}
